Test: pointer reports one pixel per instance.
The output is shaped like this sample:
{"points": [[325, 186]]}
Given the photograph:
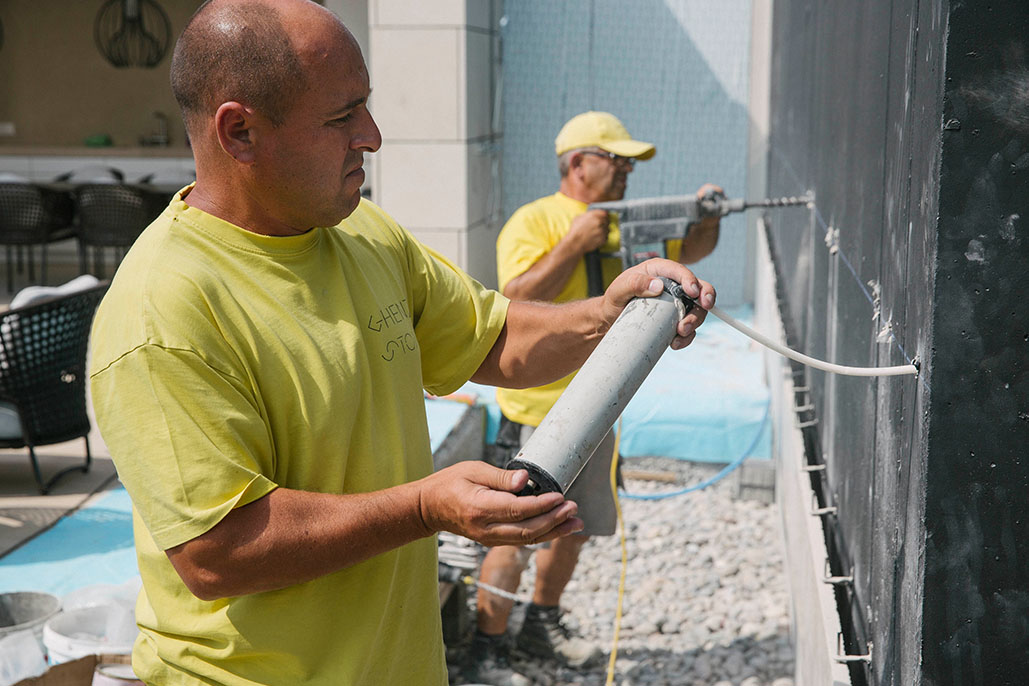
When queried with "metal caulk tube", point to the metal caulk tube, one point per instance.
{"points": [[566, 438]]}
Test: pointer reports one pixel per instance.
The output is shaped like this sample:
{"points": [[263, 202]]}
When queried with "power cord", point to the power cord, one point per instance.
{"points": [[625, 558]]}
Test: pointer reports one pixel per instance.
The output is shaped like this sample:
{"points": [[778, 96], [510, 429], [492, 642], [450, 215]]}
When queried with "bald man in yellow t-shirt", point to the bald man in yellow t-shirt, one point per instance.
{"points": [[540, 257]]}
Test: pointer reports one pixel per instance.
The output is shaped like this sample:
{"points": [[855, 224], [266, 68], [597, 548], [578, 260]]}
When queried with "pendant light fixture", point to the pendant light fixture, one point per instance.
{"points": [[132, 33]]}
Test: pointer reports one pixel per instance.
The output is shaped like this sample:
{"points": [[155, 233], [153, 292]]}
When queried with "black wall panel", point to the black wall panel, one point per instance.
{"points": [[977, 502], [909, 122]]}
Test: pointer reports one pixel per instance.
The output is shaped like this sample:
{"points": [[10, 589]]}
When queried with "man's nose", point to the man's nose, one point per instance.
{"points": [[368, 137]]}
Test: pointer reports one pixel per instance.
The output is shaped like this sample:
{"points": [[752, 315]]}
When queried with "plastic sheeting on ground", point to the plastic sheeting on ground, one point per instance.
{"points": [[705, 403]]}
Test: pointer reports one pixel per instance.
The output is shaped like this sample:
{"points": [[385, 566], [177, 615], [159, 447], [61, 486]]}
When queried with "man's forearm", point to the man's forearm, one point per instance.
{"points": [[542, 342], [289, 537], [547, 277], [700, 241]]}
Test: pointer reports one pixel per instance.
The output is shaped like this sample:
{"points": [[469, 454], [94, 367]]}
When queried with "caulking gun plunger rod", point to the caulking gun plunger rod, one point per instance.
{"points": [[566, 438]]}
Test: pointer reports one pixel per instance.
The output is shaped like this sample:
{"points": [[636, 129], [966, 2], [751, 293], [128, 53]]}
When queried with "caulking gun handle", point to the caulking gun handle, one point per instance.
{"points": [[674, 289]]}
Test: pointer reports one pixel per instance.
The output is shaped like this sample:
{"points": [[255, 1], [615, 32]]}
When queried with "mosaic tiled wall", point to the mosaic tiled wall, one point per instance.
{"points": [[674, 71]]}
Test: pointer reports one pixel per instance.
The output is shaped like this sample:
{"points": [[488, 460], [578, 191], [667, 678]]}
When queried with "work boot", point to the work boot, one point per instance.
{"points": [[487, 663], [544, 636]]}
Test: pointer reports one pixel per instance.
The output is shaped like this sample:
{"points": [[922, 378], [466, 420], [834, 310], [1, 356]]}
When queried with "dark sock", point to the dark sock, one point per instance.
{"points": [[488, 638]]}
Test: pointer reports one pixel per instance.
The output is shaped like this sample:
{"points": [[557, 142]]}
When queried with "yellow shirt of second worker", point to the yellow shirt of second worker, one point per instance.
{"points": [[532, 232]]}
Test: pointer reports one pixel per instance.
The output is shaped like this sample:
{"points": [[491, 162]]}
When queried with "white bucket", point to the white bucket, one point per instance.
{"points": [[26, 611], [115, 675], [87, 631]]}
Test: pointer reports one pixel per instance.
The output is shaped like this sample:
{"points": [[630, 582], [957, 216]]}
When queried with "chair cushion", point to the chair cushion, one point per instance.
{"points": [[10, 425], [34, 294]]}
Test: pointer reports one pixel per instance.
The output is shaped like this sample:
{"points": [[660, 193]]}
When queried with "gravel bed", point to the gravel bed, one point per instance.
{"points": [[705, 599]]}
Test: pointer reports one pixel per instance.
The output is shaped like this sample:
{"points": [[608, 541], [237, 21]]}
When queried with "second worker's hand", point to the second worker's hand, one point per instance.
{"points": [[589, 230], [710, 188], [477, 500], [641, 281]]}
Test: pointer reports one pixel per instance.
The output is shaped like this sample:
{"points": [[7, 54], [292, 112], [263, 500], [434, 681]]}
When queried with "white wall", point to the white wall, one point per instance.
{"points": [[353, 13], [434, 80]]}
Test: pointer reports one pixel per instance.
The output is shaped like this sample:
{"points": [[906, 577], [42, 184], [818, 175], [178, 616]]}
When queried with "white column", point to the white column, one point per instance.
{"points": [[434, 72], [758, 108]]}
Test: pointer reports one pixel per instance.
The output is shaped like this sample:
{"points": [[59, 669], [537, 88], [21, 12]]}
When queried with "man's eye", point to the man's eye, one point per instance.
{"points": [[344, 119]]}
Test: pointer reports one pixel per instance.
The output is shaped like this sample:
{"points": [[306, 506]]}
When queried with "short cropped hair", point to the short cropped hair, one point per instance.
{"points": [[236, 53], [564, 162]]}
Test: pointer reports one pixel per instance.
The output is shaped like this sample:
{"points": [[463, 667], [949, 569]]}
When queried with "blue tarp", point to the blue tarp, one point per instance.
{"points": [[705, 403], [92, 546]]}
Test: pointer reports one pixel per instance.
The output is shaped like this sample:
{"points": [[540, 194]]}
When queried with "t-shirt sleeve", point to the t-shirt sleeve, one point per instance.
{"points": [[457, 319], [198, 440], [521, 244]]}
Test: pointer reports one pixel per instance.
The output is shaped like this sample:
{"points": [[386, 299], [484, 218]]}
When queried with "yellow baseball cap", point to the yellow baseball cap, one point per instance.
{"points": [[601, 130]]}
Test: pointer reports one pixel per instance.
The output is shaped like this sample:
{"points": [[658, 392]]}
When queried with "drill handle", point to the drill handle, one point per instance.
{"points": [[594, 273]]}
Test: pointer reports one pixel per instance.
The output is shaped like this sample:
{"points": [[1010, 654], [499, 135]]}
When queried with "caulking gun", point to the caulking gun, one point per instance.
{"points": [[566, 438], [647, 224]]}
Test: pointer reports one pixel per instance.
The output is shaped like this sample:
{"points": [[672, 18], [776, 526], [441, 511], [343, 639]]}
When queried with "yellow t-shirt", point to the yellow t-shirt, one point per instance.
{"points": [[226, 364], [532, 232]]}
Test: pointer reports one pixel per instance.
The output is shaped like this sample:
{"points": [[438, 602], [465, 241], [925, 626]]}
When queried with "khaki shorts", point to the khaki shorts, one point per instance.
{"points": [[591, 490]]}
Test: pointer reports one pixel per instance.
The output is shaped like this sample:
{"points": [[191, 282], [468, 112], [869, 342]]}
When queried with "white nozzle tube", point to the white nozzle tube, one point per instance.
{"points": [[811, 361], [566, 438]]}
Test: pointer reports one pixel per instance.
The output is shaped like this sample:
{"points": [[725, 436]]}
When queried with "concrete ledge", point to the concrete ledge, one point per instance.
{"points": [[466, 440], [814, 621]]}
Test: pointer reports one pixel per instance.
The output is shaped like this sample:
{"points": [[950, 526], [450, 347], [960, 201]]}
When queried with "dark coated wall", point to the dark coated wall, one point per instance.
{"points": [[909, 122]]}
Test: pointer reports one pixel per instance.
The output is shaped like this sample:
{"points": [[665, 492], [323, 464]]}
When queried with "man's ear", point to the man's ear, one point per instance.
{"points": [[575, 162], [234, 123]]}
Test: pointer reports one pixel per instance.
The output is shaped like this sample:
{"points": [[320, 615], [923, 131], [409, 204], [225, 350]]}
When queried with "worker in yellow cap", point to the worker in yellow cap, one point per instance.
{"points": [[540, 257]]}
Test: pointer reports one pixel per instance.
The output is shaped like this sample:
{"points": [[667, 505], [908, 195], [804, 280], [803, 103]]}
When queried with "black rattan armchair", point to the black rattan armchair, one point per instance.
{"points": [[112, 216], [43, 375], [32, 215]]}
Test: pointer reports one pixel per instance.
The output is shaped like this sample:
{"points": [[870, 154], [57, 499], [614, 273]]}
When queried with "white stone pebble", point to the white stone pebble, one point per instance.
{"points": [[705, 597]]}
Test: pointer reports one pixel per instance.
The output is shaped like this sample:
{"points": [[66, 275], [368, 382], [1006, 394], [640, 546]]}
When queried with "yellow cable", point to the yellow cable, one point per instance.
{"points": [[625, 557]]}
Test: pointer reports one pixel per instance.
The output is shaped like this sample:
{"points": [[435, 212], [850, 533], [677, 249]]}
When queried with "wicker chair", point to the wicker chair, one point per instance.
{"points": [[32, 215], [112, 216], [43, 375]]}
